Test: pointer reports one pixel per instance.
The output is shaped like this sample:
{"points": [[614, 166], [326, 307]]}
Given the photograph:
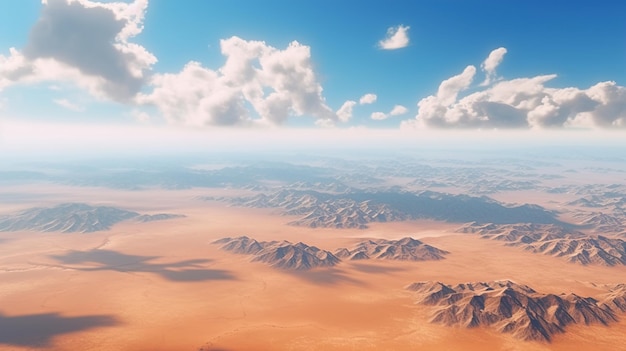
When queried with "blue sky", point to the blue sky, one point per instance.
{"points": [[582, 43]]}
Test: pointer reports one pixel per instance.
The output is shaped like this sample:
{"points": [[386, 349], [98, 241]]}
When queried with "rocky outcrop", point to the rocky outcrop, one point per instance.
{"points": [[556, 241], [72, 218], [405, 249], [517, 309], [280, 254], [357, 209]]}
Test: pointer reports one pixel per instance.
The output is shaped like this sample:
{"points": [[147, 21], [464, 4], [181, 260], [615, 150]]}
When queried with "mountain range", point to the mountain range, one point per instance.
{"points": [[73, 217], [300, 256], [280, 254], [517, 309], [557, 241], [602, 222], [405, 249], [357, 209]]}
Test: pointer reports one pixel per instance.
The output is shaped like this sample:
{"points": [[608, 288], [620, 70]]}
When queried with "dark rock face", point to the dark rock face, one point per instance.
{"points": [[517, 309]]}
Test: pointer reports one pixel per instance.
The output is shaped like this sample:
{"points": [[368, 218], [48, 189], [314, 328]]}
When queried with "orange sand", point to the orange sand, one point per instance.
{"points": [[164, 286]]}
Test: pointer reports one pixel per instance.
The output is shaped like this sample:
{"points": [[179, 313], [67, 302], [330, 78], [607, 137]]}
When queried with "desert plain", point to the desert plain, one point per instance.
{"points": [[165, 285]]}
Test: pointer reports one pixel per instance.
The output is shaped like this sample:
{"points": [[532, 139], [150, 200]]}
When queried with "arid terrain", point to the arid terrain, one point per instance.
{"points": [[312, 175], [331, 255]]}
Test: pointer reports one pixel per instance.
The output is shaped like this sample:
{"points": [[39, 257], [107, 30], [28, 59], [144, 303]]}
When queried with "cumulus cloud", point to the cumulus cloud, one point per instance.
{"points": [[491, 63], [398, 110], [87, 43], [450, 88], [368, 99], [379, 116], [65, 103], [345, 111], [275, 83], [522, 103], [13, 68], [397, 38], [140, 116]]}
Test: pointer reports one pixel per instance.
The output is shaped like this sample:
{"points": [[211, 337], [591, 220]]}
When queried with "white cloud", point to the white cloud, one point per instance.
{"points": [[345, 111], [397, 38], [87, 43], [398, 110], [522, 103], [69, 105], [450, 88], [379, 116], [368, 99], [325, 123], [275, 83], [196, 97], [491, 63], [140, 116], [13, 68]]}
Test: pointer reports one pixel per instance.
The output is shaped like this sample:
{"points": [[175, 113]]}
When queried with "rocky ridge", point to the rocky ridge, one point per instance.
{"points": [[517, 309], [280, 254], [356, 210], [574, 246], [405, 249], [300, 256], [72, 218]]}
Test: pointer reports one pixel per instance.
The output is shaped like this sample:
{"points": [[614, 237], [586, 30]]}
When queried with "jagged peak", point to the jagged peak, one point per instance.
{"points": [[515, 308]]}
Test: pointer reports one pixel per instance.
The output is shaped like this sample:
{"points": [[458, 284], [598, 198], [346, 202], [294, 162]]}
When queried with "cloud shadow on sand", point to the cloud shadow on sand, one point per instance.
{"points": [[109, 260], [38, 330], [376, 269], [326, 276]]}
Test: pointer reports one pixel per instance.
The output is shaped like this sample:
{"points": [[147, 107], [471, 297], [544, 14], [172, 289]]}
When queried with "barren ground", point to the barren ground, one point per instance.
{"points": [[164, 286]]}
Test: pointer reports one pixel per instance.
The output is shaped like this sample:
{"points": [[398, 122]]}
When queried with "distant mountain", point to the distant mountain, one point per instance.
{"points": [[491, 186], [521, 232], [556, 241], [332, 187], [600, 219], [587, 202], [344, 214], [357, 209], [602, 222], [608, 200], [242, 245], [243, 175], [280, 254], [71, 218], [157, 217], [517, 309], [406, 249], [593, 250]]}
